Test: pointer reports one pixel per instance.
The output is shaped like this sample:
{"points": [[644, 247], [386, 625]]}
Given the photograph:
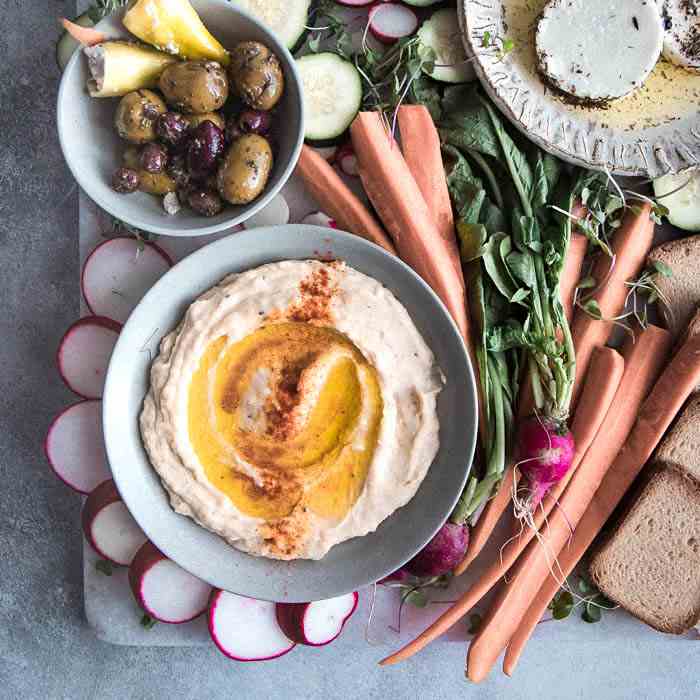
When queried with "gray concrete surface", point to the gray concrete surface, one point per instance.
{"points": [[46, 649]]}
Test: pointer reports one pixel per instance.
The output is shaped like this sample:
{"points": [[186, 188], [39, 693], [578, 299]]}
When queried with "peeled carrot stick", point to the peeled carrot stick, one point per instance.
{"points": [[666, 399], [644, 360], [420, 144], [630, 247], [87, 36], [601, 384], [338, 201], [571, 274], [401, 207]]}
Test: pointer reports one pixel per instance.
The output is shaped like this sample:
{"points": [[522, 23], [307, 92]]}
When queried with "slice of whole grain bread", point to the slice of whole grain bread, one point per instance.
{"points": [[680, 448], [651, 563], [682, 290]]}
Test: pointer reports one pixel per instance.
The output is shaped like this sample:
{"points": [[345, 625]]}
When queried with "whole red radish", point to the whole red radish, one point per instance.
{"points": [[442, 553], [546, 451]]}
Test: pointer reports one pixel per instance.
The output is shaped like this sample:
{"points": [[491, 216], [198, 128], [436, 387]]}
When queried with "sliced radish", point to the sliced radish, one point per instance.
{"points": [[319, 623], [347, 160], [118, 273], [74, 446], [318, 218], [165, 590], [84, 352], [109, 526], [326, 152], [390, 22], [275, 213], [246, 629]]}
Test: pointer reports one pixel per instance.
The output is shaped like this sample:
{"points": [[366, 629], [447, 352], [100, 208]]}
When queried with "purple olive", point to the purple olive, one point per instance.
{"points": [[254, 121], [205, 147], [125, 181], [204, 202], [171, 128], [153, 158]]}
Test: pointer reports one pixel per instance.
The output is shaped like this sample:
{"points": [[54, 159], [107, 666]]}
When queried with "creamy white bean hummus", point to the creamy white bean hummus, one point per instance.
{"points": [[293, 408]]}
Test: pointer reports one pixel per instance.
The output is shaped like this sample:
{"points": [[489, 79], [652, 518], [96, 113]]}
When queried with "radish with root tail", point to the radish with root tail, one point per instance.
{"points": [[245, 629], [118, 273], [164, 590], [513, 246], [444, 551], [74, 446], [84, 353], [319, 623], [109, 526]]}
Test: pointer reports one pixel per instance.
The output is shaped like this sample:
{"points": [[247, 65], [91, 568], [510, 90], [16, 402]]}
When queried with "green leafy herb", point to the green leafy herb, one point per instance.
{"points": [[562, 605], [486, 39], [104, 567], [416, 597], [147, 622], [592, 309]]}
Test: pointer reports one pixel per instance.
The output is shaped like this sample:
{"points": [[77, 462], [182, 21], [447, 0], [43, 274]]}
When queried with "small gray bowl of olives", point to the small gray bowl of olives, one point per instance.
{"points": [[202, 149]]}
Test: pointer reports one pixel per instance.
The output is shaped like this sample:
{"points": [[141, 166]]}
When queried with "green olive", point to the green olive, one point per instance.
{"points": [[195, 87], [257, 75], [245, 170], [194, 120], [152, 183], [137, 114]]}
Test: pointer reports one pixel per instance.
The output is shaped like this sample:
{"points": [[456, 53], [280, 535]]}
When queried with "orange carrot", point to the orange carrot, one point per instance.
{"points": [[571, 273], [630, 246], [87, 36], [666, 399], [644, 360], [420, 143], [601, 384], [338, 201], [400, 204]]}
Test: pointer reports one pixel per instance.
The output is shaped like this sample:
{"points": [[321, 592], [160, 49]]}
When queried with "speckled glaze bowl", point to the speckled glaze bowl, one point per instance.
{"points": [[93, 150], [653, 131], [355, 562]]}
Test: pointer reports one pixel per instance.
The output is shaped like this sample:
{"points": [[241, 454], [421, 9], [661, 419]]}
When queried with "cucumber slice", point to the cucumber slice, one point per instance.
{"points": [[332, 95], [66, 44], [441, 34], [421, 3], [684, 203], [288, 19]]}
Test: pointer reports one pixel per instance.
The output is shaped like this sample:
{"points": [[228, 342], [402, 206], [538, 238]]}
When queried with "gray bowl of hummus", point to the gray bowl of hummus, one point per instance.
{"points": [[290, 413]]}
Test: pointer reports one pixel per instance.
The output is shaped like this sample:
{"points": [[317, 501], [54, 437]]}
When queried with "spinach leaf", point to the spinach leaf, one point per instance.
{"points": [[496, 269], [425, 91], [515, 160], [466, 190], [466, 123], [522, 266]]}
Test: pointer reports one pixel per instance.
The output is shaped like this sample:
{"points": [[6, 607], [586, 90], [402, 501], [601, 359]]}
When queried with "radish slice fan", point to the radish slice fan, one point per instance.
{"points": [[324, 619], [109, 527], [84, 353], [75, 446], [118, 273], [245, 629], [172, 594], [165, 590], [390, 22]]}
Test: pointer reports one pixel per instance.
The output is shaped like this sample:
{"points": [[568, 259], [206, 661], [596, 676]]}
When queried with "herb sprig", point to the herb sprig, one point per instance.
{"points": [[101, 8]]}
